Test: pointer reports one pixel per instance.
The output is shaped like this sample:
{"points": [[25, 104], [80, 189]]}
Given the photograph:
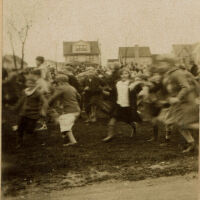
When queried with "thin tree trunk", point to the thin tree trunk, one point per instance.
{"points": [[14, 59], [23, 45], [13, 50], [22, 60]]}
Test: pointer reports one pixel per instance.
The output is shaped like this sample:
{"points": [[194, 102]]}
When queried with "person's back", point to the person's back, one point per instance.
{"points": [[69, 98]]}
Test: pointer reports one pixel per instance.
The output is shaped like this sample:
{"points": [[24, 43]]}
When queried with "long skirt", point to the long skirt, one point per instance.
{"points": [[181, 115], [125, 114]]}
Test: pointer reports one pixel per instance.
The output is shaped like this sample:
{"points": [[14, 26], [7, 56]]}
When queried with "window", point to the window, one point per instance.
{"points": [[91, 58], [75, 58], [71, 58], [81, 48]]}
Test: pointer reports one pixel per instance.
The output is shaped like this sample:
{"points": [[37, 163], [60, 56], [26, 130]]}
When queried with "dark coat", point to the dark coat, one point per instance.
{"points": [[74, 82], [194, 70], [131, 114], [95, 86]]}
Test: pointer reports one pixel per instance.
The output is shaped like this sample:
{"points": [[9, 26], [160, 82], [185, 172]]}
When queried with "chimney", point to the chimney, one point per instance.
{"points": [[137, 51]]}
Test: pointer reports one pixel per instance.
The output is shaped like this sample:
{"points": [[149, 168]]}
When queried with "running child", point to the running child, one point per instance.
{"points": [[69, 99], [31, 106], [125, 105]]}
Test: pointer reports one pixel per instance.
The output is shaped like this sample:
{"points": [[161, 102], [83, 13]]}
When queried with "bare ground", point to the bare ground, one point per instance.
{"points": [[164, 188], [43, 166]]}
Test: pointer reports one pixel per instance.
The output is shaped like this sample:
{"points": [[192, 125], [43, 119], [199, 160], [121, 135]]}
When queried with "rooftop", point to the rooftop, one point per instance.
{"points": [[94, 47], [132, 51], [113, 60]]}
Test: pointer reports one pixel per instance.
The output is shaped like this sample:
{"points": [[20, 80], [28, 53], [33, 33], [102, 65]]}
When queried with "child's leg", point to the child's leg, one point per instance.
{"points": [[155, 133], [88, 112], [26, 125], [190, 140], [66, 123], [133, 127], [168, 133], [93, 113], [71, 138], [20, 131], [111, 130]]}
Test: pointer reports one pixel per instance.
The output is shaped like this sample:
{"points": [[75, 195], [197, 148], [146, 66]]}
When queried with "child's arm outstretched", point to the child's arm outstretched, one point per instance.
{"points": [[55, 96]]}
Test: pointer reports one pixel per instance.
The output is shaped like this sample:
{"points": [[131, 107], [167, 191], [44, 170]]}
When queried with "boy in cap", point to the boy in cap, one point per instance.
{"points": [[69, 100]]}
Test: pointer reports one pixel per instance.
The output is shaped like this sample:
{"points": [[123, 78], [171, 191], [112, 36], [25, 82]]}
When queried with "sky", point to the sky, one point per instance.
{"points": [[114, 23]]}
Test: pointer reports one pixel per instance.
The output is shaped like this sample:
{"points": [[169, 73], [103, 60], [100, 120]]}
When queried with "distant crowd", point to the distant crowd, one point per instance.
{"points": [[165, 93]]}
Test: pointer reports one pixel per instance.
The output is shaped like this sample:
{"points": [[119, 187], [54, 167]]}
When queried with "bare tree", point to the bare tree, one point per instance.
{"points": [[22, 34], [13, 49]]}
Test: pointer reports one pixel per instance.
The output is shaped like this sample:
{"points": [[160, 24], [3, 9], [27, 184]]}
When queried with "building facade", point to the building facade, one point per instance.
{"points": [[112, 62], [135, 55], [82, 52]]}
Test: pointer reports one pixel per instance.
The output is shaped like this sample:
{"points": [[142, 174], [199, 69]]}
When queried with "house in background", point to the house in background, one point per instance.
{"points": [[183, 52], [112, 62], [136, 54], [82, 52]]}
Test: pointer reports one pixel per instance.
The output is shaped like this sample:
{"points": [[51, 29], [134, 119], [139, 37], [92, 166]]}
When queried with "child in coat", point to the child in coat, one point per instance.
{"points": [[69, 100], [31, 106]]}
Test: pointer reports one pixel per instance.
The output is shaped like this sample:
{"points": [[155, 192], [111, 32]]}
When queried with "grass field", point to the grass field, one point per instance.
{"points": [[45, 163]]}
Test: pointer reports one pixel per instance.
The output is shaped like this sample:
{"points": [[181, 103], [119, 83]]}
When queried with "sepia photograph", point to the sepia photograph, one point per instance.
{"points": [[100, 99]]}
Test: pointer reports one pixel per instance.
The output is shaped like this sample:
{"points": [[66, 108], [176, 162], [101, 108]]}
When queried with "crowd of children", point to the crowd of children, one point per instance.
{"points": [[162, 93]]}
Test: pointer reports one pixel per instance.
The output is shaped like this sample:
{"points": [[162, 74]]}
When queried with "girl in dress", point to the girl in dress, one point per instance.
{"points": [[125, 108]]}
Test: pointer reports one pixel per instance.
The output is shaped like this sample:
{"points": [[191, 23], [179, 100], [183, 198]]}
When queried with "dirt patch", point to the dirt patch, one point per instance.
{"points": [[165, 188]]}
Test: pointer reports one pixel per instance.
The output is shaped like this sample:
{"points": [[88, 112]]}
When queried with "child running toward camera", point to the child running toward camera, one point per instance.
{"points": [[31, 106], [125, 109]]}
